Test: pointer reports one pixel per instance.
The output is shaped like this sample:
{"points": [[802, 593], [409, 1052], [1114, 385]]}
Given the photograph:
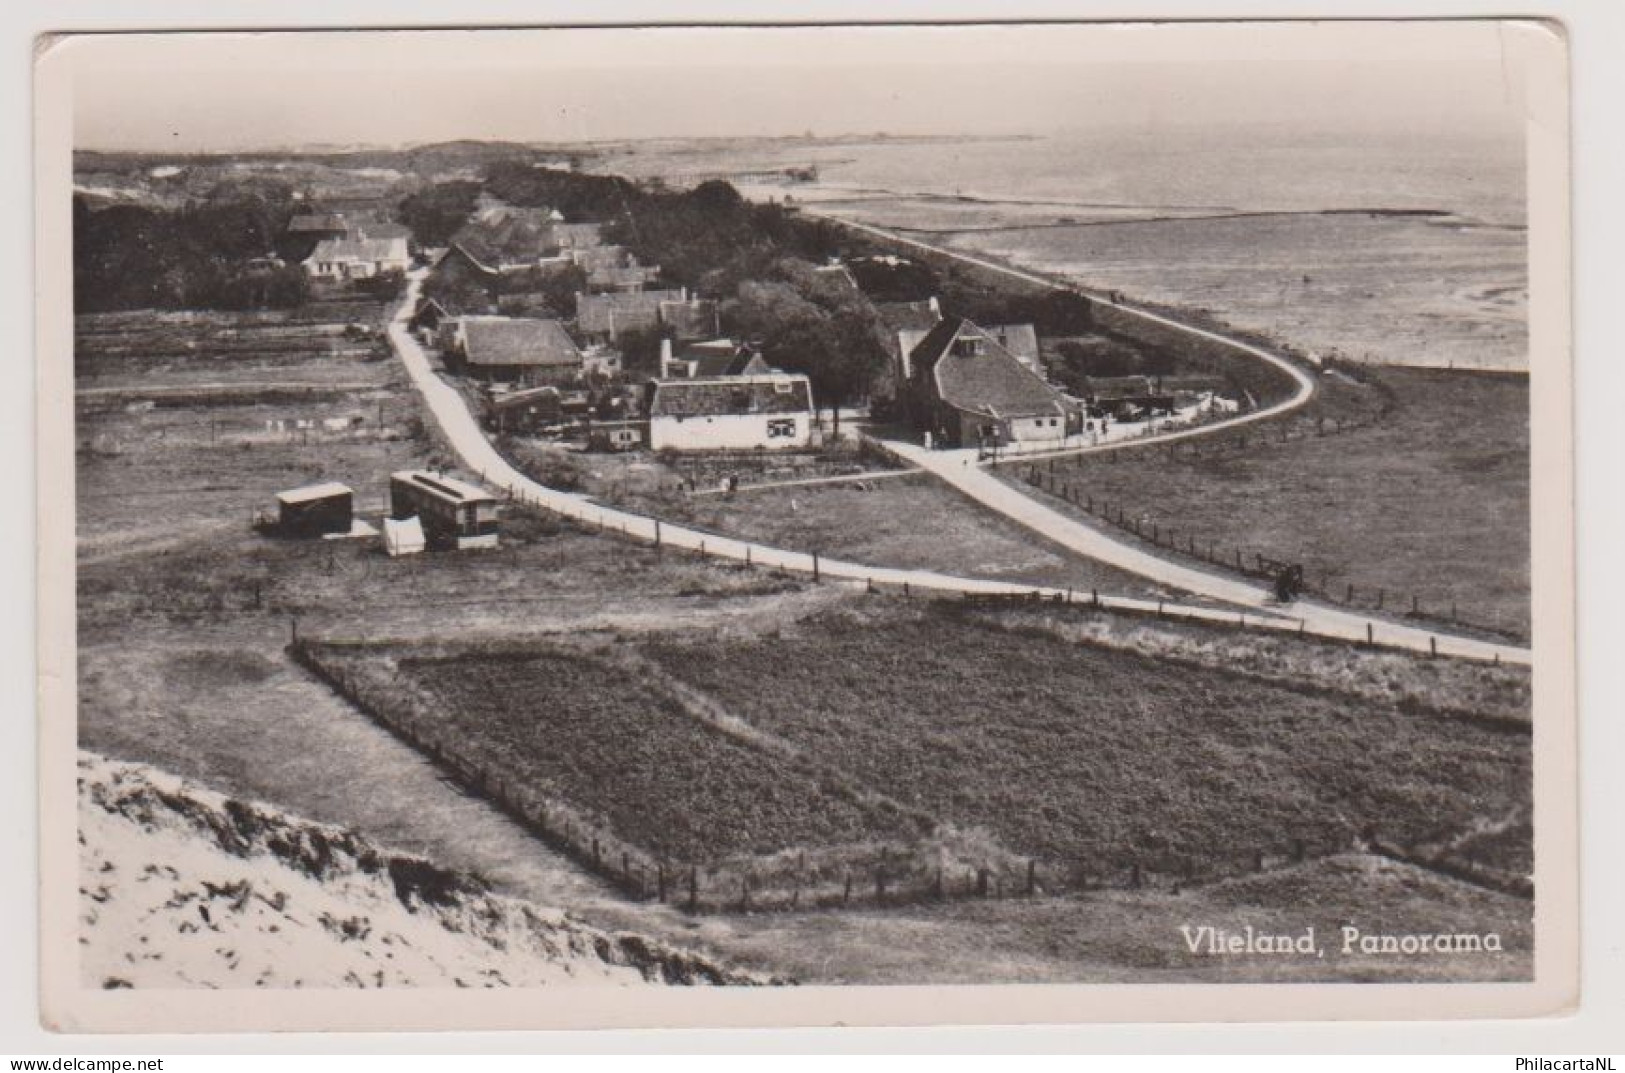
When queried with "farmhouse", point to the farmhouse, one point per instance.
{"points": [[606, 317], [764, 411], [357, 258], [710, 359], [453, 514], [315, 510], [968, 390], [509, 240], [513, 350]]}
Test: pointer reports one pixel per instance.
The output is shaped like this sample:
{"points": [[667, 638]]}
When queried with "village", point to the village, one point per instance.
{"points": [[948, 383], [711, 568]]}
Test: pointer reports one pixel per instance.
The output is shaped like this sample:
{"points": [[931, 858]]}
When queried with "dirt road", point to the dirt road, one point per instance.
{"points": [[466, 437]]}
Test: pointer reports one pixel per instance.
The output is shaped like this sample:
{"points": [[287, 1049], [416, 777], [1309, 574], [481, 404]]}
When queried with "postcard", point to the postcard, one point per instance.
{"points": [[833, 524]]}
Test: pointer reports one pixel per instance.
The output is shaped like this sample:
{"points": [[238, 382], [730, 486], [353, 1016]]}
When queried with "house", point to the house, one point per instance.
{"points": [[509, 240], [513, 350], [453, 513], [766, 411], [357, 258], [431, 314], [968, 390], [622, 277], [614, 437], [530, 410], [606, 317], [906, 324], [319, 225], [315, 510], [710, 359]]}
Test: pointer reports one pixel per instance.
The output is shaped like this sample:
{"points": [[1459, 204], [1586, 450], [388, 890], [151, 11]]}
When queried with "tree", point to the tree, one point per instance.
{"points": [[434, 214]]}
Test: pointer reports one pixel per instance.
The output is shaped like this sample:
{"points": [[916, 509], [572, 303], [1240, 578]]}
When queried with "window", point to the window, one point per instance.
{"points": [[783, 387], [968, 347], [781, 429]]}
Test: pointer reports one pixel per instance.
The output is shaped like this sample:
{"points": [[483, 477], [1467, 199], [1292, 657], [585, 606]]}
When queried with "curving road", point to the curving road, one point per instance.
{"points": [[465, 436], [1302, 392]]}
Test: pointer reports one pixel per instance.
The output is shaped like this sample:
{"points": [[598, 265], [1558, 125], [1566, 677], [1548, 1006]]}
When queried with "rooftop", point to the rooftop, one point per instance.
{"points": [[312, 492], [989, 381], [360, 249], [443, 486], [768, 393], [489, 340]]}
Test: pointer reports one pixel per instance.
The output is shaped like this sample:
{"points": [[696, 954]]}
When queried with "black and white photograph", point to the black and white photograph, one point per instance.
{"points": [[561, 521]]}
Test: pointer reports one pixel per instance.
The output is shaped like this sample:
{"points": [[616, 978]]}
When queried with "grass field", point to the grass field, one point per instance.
{"points": [[1432, 503], [582, 729], [910, 522], [1097, 759]]}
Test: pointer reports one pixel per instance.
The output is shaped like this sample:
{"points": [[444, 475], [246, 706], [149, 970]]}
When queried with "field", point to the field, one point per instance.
{"points": [[907, 522], [1096, 759], [627, 754], [1433, 502]]}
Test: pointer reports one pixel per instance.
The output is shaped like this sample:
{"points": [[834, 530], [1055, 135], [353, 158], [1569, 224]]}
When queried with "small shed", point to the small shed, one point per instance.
{"points": [[316, 509], [403, 536]]}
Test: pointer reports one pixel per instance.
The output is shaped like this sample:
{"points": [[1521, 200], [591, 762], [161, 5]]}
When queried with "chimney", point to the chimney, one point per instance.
{"points": [[936, 309], [665, 357]]}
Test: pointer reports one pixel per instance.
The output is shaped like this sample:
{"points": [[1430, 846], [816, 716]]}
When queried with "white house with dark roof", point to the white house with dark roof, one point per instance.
{"points": [[764, 411], [357, 258]]}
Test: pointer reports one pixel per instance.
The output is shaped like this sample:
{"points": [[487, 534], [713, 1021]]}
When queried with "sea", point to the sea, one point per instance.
{"points": [[1380, 245]]}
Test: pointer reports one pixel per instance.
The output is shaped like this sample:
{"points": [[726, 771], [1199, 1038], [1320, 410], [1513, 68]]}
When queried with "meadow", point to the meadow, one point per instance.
{"points": [[1430, 503], [1095, 759]]}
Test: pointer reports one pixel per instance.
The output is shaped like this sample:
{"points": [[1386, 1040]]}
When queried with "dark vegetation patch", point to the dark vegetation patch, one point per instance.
{"points": [[1096, 759]]}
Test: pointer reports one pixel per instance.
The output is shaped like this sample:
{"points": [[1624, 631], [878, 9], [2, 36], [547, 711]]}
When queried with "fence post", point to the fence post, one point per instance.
{"points": [[815, 565], [1370, 635], [1094, 597], [747, 555], [1032, 877], [1433, 647], [657, 532]]}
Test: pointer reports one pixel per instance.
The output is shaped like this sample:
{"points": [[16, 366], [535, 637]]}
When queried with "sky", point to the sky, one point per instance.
{"points": [[223, 92]]}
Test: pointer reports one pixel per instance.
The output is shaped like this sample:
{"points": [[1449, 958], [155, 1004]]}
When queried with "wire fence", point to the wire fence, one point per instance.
{"points": [[1065, 483], [932, 869]]}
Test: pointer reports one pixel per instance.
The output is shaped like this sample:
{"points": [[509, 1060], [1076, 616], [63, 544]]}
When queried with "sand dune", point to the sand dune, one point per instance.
{"points": [[184, 887]]}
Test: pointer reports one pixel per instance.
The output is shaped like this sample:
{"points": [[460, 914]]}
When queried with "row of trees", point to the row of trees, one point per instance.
{"points": [[219, 252]]}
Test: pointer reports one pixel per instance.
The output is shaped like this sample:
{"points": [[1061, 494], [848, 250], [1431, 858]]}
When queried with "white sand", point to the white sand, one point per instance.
{"points": [[182, 888]]}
